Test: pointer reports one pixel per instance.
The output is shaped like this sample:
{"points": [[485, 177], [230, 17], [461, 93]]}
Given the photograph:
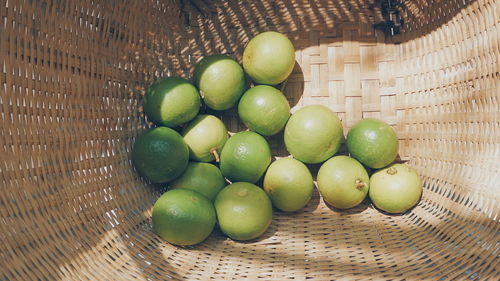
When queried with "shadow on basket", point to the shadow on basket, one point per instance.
{"points": [[75, 207]]}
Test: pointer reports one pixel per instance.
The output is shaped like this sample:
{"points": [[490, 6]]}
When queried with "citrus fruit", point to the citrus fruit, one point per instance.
{"points": [[204, 178], [221, 81], [269, 58], [245, 157], [160, 154], [264, 109], [395, 189], [183, 217], [289, 184], [205, 136], [372, 142], [244, 211], [343, 182], [171, 101], [313, 134]]}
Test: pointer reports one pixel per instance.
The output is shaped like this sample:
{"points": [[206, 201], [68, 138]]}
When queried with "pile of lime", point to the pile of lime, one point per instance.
{"points": [[213, 177]]}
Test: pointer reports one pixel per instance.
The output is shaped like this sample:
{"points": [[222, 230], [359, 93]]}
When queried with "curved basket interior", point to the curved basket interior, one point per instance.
{"points": [[72, 77]]}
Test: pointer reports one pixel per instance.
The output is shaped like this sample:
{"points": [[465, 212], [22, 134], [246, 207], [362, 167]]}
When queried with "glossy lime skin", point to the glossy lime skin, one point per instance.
{"points": [[289, 184], [395, 189], [373, 143], [244, 211], [313, 134], [160, 154], [171, 101], [343, 182], [203, 135], [183, 217], [264, 109], [221, 81], [204, 178], [245, 157], [269, 58]]}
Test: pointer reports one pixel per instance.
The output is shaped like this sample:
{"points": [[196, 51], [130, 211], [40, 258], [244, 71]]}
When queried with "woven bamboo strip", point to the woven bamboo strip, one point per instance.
{"points": [[72, 77]]}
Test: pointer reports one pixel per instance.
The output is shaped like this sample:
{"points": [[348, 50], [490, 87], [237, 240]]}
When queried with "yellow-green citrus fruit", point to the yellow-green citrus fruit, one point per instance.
{"points": [[313, 134], [245, 157], [171, 102], [205, 136], [221, 81], [395, 189], [160, 154], [373, 143], [183, 217], [264, 109], [204, 178], [244, 211], [343, 182], [289, 184], [269, 58]]}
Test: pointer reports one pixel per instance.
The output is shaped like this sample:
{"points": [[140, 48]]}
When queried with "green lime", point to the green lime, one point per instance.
{"points": [[160, 154], [264, 109], [395, 189], [205, 136], [313, 134], [171, 102], [245, 157], [221, 81], [373, 143], [343, 182], [183, 217], [204, 178], [269, 58], [244, 211], [289, 184]]}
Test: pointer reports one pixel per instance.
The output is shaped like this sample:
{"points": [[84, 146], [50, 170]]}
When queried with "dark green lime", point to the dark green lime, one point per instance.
{"points": [[160, 154]]}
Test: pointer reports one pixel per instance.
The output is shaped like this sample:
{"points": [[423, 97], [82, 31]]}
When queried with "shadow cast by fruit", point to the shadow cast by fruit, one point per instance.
{"points": [[82, 208], [314, 168], [354, 210], [277, 145], [400, 160], [293, 87]]}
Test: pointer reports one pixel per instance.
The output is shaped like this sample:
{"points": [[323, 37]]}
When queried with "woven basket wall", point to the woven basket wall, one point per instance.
{"points": [[72, 77]]}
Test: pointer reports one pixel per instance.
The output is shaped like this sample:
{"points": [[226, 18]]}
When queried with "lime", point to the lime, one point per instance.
{"points": [[221, 81], [204, 178], [373, 143], [289, 184], [160, 154], [171, 102], [205, 136], [343, 182], [395, 189], [245, 157], [264, 109], [313, 134], [183, 217], [243, 210], [269, 58]]}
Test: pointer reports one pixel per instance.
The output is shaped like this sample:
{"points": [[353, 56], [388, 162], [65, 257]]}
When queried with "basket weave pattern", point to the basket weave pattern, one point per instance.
{"points": [[72, 77]]}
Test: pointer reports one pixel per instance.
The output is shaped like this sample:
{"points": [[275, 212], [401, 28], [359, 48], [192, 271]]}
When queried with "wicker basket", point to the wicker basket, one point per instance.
{"points": [[72, 75]]}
